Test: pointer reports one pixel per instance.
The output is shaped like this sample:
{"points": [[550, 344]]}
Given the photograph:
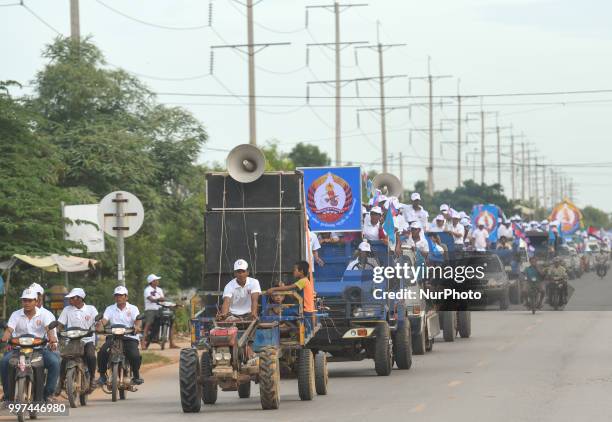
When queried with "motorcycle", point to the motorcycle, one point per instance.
{"points": [[76, 376], [120, 381], [27, 371], [533, 294], [556, 293], [160, 329], [602, 270]]}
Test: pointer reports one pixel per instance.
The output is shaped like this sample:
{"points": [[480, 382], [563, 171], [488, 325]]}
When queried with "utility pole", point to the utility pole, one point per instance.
{"points": [[251, 50], [523, 171], [336, 8], [544, 197], [529, 176], [482, 114], [75, 25], [401, 169], [380, 48], [537, 195], [430, 79]]}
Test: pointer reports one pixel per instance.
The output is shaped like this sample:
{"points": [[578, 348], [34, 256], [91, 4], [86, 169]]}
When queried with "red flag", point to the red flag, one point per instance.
{"points": [[592, 231]]}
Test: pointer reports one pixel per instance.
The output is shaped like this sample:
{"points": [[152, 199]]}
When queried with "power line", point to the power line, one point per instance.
{"points": [[155, 25], [44, 22]]}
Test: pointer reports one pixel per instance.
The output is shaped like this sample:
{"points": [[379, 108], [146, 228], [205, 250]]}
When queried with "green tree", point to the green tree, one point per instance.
{"points": [[275, 159], [307, 155], [30, 215], [595, 217]]}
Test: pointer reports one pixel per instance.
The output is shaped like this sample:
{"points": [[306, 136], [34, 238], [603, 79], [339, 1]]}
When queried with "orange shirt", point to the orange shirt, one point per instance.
{"points": [[307, 287]]}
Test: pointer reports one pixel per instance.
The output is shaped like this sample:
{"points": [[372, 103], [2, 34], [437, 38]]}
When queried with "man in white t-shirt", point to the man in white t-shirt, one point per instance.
{"points": [[480, 238], [415, 212], [79, 314], [457, 229], [121, 313], [416, 241], [31, 320], [40, 301], [437, 226], [241, 294], [372, 224], [504, 230], [152, 295]]}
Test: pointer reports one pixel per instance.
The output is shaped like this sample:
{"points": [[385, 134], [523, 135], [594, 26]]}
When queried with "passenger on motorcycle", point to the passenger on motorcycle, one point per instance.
{"points": [[80, 315], [153, 294], [557, 272], [532, 272], [32, 320], [602, 257], [124, 313]]}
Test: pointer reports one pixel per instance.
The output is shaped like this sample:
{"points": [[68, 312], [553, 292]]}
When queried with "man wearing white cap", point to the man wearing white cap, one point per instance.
{"points": [[241, 294], [152, 295], [363, 261], [480, 238], [79, 314], [457, 230], [416, 241], [40, 301], [372, 229], [504, 230], [31, 320], [121, 313], [437, 225], [415, 212]]}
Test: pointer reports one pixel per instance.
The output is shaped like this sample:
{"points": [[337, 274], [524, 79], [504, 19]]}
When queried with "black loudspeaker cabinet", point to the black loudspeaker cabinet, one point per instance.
{"points": [[253, 236], [264, 192]]}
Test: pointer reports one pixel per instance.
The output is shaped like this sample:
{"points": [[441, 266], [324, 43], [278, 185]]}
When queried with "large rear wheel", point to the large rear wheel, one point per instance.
{"points": [[269, 379], [464, 323], [189, 368], [449, 325]]}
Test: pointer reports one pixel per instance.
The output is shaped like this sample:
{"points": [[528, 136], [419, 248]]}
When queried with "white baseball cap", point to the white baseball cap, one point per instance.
{"points": [[152, 277], [365, 247], [120, 290], [465, 221], [37, 288], [444, 207], [455, 214], [241, 264], [76, 292], [415, 225], [29, 293], [415, 196], [376, 210], [462, 214], [440, 217]]}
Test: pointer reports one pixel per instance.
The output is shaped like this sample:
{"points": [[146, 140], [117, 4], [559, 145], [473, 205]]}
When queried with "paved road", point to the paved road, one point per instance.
{"points": [[552, 366]]}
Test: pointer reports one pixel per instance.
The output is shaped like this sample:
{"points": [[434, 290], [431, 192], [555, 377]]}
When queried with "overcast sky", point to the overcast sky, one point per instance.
{"points": [[493, 46]]}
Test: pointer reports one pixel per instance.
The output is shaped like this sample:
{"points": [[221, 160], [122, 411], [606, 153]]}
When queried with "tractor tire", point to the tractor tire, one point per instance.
{"points": [[419, 341], [402, 346], [306, 374], [449, 325], [464, 324], [209, 386], [244, 390], [383, 352], [269, 379], [321, 374], [188, 380]]}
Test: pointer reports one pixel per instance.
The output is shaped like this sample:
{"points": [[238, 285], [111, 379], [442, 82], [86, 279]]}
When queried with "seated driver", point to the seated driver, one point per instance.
{"points": [[240, 295], [364, 260]]}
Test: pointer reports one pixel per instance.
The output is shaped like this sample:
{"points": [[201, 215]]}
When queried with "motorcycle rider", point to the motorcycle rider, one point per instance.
{"points": [[31, 320], [557, 272], [80, 315], [601, 259], [532, 272], [124, 313], [153, 294]]}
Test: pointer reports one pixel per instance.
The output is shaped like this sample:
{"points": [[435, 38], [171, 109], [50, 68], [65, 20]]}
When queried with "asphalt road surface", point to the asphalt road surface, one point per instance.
{"points": [[551, 366]]}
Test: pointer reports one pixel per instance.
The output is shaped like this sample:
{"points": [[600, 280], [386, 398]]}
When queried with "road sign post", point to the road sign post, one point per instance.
{"points": [[121, 215]]}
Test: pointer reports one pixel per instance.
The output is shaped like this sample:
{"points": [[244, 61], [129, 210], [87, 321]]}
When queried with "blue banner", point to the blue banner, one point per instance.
{"points": [[487, 215], [333, 198]]}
